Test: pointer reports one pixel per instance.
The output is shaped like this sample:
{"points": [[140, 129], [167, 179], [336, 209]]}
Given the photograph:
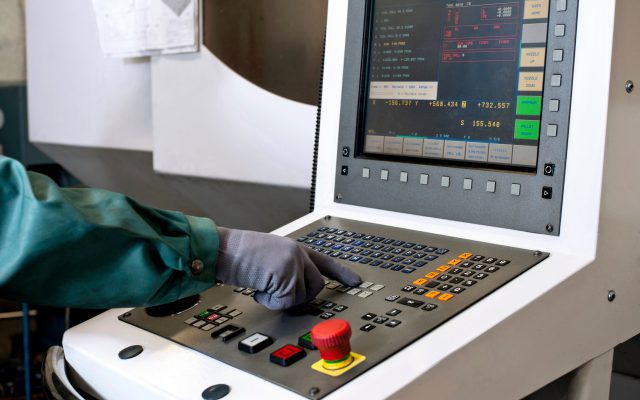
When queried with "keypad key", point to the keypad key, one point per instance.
{"points": [[368, 327], [455, 271], [409, 288], [477, 258], [479, 267], [420, 291], [234, 313], [454, 262], [377, 287], [408, 270], [393, 323], [287, 355], [419, 255], [419, 264], [302, 239], [378, 239], [388, 241], [466, 264], [314, 233], [343, 289], [364, 294], [369, 316], [329, 305], [397, 259], [429, 307], [408, 261], [445, 287], [468, 274], [340, 308], [221, 320], [469, 282], [392, 297], [386, 265], [354, 291], [502, 263], [457, 290], [431, 258], [217, 308], [443, 268], [368, 237], [199, 324], [386, 257], [432, 284], [419, 247], [432, 275], [345, 256], [432, 294], [456, 280], [430, 249], [398, 251], [481, 275], [331, 230], [358, 235], [380, 320], [393, 312], [490, 260], [190, 321], [420, 281], [375, 263], [444, 277], [446, 297], [366, 260], [492, 269], [367, 245], [349, 234], [326, 315], [367, 253], [442, 251], [397, 267], [208, 327], [398, 243], [408, 245], [465, 256], [323, 229], [405, 301], [377, 254], [355, 258], [366, 285], [255, 343], [336, 254], [340, 232]]}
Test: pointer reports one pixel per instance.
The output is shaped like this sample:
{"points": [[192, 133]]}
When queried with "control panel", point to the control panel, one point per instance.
{"points": [[458, 110], [412, 282]]}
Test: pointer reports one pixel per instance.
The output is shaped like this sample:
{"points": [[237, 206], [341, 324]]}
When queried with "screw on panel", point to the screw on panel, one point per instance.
{"points": [[537, 253], [611, 296], [628, 86], [549, 228], [339, 196], [327, 217], [314, 391]]}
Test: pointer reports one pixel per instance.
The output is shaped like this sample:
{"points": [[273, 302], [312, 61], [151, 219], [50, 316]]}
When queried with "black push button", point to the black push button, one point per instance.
{"points": [[432, 284], [393, 312], [410, 302], [130, 352], [340, 308], [344, 170], [216, 392], [380, 320], [255, 343], [369, 316], [420, 291], [346, 151], [368, 327], [227, 333], [429, 307], [547, 192], [549, 169], [393, 323]]}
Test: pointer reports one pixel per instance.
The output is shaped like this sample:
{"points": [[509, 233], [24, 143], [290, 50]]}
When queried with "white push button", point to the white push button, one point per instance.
{"points": [[558, 55], [424, 179], [560, 30], [365, 173], [384, 175], [491, 186], [445, 181], [404, 177], [552, 130], [467, 184], [515, 189]]}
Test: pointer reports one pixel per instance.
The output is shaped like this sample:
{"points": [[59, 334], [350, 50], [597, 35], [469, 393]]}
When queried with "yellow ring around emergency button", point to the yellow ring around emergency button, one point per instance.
{"points": [[332, 366]]}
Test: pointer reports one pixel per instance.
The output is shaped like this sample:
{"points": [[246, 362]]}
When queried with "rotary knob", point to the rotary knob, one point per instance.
{"points": [[332, 338]]}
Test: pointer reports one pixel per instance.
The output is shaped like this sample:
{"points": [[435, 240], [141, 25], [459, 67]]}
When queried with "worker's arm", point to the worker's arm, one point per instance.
{"points": [[96, 249], [92, 248]]}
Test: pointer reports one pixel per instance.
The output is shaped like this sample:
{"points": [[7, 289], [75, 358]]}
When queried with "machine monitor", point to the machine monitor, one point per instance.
{"points": [[457, 110]]}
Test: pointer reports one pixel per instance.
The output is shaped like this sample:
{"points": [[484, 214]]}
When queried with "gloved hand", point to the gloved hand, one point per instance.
{"points": [[284, 273]]}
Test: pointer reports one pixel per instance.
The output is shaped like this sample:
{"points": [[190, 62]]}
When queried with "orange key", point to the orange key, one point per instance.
{"points": [[465, 256], [443, 268], [446, 297], [420, 282], [432, 275], [455, 261], [432, 294]]}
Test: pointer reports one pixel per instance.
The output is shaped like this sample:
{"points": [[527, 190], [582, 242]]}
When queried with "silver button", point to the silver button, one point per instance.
{"points": [[558, 55], [365, 173], [424, 179], [554, 105], [376, 287], [384, 175], [560, 30], [556, 80], [404, 177], [491, 186], [197, 267], [467, 184], [561, 5], [552, 130], [515, 189], [445, 181]]}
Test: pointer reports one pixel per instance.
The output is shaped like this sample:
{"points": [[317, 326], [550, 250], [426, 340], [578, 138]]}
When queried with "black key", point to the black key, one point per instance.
{"points": [[349, 234], [345, 256], [377, 254], [420, 291], [248, 292], [355, 259], [419, 255], [327, 252], [331, 237], [468, 274], [408, 270], [393, 312], [375, 263], [367, 252], [432, 284], [481, 275], [445, 287], [444, 277], [356, 251], [431, 258], [378, 239], [457, 290], [366, 260], [338, 239], [410, 302], [329, 305], [477, 258], [430, 249], [369, 316], [332, 230], [378, 247], [479, 267], [397, 259], [341, 232], [386, 265], [321, 235], [239, 289], [466, 264], [419, 264], [358, 235], [490, 260], [302, 239], [348, 241], [420, 247], [492, 269], [388, 248], [387, 257], [442, 251], [429, 307], [393, 323], [397, 267], [336, 254], [388, 241], [392, 297], [367, 245], [469, 282], [368, 237], [340, 308], [398, 251], [368, 327], [324, 228], [309, 241], [456, 280], [408, 245], [398, 243], [326, 315], [408, 261], [455, 271], [312, 234], [408, 288], [408, 253], [380, 320]]}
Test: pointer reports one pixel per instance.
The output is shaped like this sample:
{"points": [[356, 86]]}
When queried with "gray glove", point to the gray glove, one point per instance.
{"points": [[284, 273]]}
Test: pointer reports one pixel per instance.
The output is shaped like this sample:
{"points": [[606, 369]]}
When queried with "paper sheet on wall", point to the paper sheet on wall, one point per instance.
{"points": [[134, 28]]}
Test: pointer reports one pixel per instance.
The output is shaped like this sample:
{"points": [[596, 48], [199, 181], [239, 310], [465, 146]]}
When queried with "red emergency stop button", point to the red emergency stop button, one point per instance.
{"points": [[332, 340], [287, 355]]}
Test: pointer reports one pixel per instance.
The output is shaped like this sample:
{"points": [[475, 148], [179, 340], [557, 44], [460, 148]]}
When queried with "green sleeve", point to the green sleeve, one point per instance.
{"points": [[92, 248]]}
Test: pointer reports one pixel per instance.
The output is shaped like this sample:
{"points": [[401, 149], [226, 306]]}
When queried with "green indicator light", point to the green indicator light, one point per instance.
{"points": [[527, 129], [529, 105]]}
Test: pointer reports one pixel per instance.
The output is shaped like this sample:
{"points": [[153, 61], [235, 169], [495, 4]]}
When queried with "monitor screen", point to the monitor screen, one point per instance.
{"points": [[454, 82]]}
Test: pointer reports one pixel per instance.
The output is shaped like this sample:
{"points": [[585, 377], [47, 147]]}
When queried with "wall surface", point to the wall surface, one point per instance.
{"points": [[12, 42]]}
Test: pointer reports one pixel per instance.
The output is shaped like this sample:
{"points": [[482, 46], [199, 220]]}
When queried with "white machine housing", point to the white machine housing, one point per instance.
{"points": [[550, 320]]}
